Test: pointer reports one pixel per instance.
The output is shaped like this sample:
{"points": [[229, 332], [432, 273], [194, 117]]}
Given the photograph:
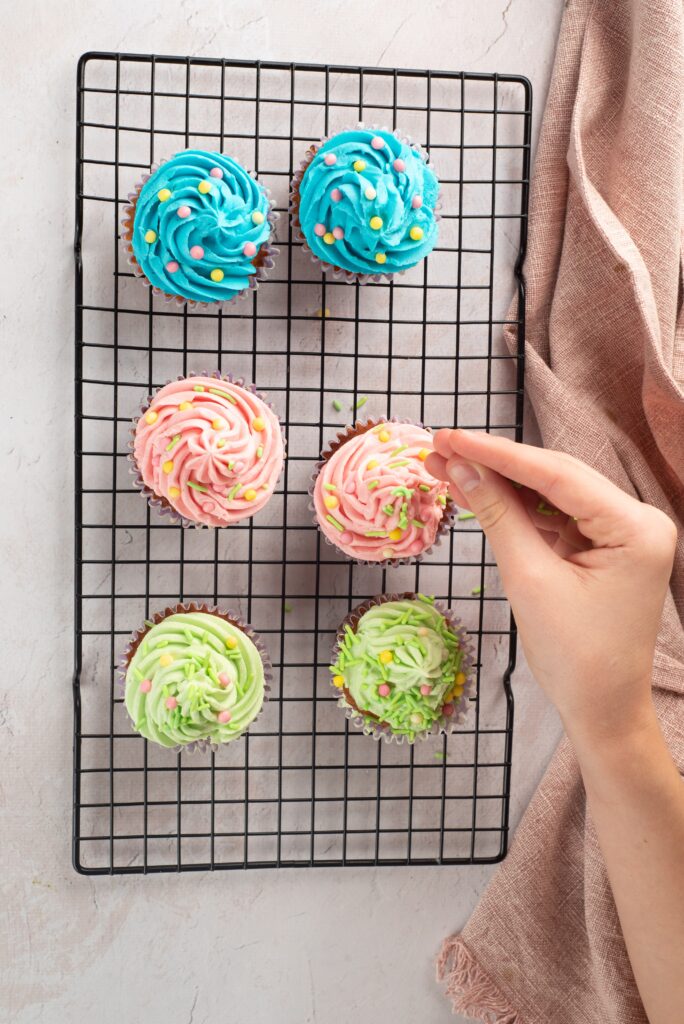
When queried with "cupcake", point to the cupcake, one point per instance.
{"points": [[194, 676], [364, 201], [403, 667], [208, 450], [373, 497], [198, 228]]}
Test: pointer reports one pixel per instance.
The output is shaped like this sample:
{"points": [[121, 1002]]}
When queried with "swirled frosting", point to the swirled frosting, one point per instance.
{"points": [[373, 497], [401, 666], [367, 203], [194, 676], [210, 448], [199, 221]]}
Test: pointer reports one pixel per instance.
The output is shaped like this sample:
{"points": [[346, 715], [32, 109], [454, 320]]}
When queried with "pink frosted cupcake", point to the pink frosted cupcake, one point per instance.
{"points": [[373, 497], [208, 450]]}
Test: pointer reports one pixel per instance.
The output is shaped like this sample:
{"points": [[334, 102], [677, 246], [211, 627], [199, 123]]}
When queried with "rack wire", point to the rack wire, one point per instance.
{"points": [[303, 788]]}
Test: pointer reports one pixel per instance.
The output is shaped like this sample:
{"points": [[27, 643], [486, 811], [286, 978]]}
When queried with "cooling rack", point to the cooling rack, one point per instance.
{"points": [[302, 788]]}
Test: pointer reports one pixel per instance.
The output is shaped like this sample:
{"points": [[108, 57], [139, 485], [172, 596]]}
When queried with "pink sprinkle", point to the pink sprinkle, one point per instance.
{"points": [[172, 266], [216, 172], [377, 142], [197, 252], [346, 537], [399, 165], [171, 703], [249, 249], [183, 211], [146, 686], [336, 195], [425, 689], [338, 233], [224, 679], [417, 202], [384, 690], [224, 716], [448, 710], [319, 229], [330, 159]]}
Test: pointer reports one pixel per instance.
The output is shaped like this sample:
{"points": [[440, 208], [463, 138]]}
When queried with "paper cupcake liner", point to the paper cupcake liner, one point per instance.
{"points": [[339, 273], [341, 438], [138, 635], [444, 726], [266, 254], [158, 503]]}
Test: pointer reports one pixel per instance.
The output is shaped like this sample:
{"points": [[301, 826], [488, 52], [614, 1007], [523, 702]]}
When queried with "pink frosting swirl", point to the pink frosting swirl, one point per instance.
{"points": [[211, 448], [373, 497]]}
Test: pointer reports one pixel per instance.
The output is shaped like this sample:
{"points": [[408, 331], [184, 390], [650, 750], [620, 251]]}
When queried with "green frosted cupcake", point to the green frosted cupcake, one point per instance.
{"points": [[403, 667], [194, 677]]}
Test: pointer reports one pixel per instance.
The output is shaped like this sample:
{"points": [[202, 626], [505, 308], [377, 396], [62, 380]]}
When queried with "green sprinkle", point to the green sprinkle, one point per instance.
{"points": [[425, 598], [336, 523], [233, 491], [329, 487], [401, 448], [401, 462], [423, 487], [376, 533], [373, 484], [259, 451], [441, 500], [223, 394], [337, 405], [417, 523], [149, 623], [231, 464], [287, 607], [465, 515], [547, 510], [198, 387], [404, 492], [172, 443], [361, 402], [388, 510], [197, 487], [476, 590]]}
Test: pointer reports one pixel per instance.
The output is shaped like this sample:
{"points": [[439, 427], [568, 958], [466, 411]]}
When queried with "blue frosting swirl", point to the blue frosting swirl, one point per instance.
{"points": [[338, 201], [227, 211]]}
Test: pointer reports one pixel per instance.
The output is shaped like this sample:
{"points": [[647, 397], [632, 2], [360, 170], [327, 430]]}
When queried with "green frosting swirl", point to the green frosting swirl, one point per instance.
{"points": [[190, 672], [402, 645]]}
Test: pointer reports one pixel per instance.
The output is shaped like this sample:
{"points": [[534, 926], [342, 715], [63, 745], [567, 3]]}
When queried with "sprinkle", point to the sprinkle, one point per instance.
{"points": [[233, 491], [197, 252], [423, 454], [171, 703], [447, 710], [330, 501], [396, 534], [249, 249], [377, 142], [221, 443], [387, 552], [417, 202], [287, 607], [439, 755], [216, 172], [373, 484], [416, 234], [183, 212], [383, 690], [151, 416], [224, 716], [167, 466], [441, 500], [146, 686], [329, 487], [380, 257], [370, 193], [204, 187], [425, 690], [371, 464], [460, 679], [329, 238], [224, 680], [150, 236], [417, 523], [197, 487], [338, 681], [475, 591], [361, 402], [330, 159], [401, 448], [216, 275], [260, 451], [423, 487], [172, 266], [166, 660], [223, 394], [399, 462], [359, 165], [335, 522], [386, 657], [319, 229], [250, 494], [231, 643], [388, 510], [384, 436], [173, 492], [399, 165], [337, 405], [336, 195], [258, 424], [547, 510], [321, 313], [463, 516], [376, 533], [338, 233], [218, 423], [174, 441], [375, 223], [163, 194], [198, 387], [257, 217]]}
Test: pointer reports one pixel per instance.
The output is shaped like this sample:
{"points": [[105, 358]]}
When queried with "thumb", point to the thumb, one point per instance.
{"points": [[501, 514]]}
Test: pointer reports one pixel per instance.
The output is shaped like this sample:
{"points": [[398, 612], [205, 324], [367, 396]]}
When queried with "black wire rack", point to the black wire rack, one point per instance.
{"points": [[303, 788]]}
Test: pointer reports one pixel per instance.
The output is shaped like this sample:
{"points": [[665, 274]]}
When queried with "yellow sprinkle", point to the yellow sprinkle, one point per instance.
{"points": [[375, 223], [216, 275], [184, 406], [395, 534], [150, 236], [372, 464], [258, 424], [168, 466], [423, 454], [323, 312], [204, 187], [221, 443], [380, 257], [250, 494], [151, 416], [218, 424], [338, 681], [231, 643], [330, 501], [328, 238], [163, 194], [416, 234], [384, 436], [257, 217], [370, 192], [386, 657], [359, 165], [460, 679], [166, 660], [173, 492]]}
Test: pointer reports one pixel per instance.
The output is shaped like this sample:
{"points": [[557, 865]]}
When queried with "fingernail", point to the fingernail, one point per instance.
{"points": [[465, 476]]}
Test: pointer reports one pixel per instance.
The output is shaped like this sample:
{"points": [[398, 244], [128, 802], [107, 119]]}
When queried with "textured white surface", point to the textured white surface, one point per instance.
{"points": [[289, 947]]}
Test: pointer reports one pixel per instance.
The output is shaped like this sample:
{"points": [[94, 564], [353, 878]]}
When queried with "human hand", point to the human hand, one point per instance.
{"points": [[587, 597]]}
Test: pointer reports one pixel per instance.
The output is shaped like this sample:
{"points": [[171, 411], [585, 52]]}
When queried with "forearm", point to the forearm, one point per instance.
{"points": [[636, 802]]}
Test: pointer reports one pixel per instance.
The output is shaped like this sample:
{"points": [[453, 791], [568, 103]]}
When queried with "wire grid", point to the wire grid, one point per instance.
{"points": [[304, 787]]}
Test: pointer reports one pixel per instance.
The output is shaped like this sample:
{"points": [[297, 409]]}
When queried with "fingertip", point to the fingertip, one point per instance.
{"points": [[436, 466], [442, 442]]}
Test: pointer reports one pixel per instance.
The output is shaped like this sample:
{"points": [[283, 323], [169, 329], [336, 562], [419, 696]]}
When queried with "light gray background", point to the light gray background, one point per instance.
{"points": [[290, 947]]}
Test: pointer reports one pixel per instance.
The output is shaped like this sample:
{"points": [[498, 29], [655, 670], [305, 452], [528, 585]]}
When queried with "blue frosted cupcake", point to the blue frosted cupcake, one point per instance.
{"points": [[364, 202], [198, 228]]}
